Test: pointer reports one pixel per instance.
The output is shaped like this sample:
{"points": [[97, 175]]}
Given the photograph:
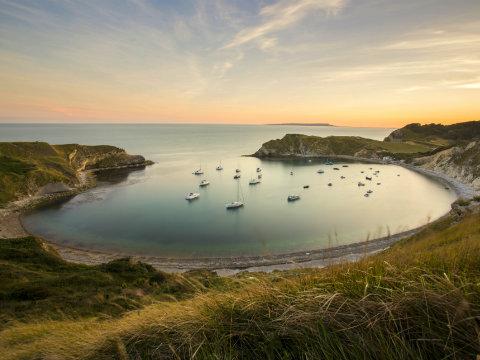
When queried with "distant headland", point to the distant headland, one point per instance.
{"points": [[303, 124]]}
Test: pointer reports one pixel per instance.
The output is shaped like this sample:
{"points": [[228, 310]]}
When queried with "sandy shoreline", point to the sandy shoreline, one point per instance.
{"points": [[11, 227]]}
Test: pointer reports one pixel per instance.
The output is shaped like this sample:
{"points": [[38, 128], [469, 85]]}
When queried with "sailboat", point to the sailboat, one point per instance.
{"points": [[254, 181], [219, 166], [199, 171], [235, 204]]}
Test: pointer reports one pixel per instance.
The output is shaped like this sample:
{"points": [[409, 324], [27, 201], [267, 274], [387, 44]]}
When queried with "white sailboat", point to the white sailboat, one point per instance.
{"points": [[192, 196], [204, 183], [235, 204], [199, 171], [254, 181]]}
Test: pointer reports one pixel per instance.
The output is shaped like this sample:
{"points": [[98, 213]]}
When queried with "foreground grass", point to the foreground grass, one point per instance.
{"points": [[37, 284], [418, 300]]}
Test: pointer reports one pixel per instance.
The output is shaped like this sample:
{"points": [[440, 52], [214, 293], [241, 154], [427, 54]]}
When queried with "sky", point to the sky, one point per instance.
{"points": [[379, 63]]}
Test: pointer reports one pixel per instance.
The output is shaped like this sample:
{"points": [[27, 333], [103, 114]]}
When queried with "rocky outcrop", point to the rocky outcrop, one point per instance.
{"points": [[53, 188], [103, 157], [461, 162]]}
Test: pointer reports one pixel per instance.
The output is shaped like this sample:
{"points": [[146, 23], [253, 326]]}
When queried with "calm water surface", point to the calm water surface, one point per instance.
{"points": [[145, 212]]}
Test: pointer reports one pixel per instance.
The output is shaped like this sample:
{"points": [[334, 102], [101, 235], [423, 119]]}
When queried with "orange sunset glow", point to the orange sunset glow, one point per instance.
{"points": [[241, 62]]}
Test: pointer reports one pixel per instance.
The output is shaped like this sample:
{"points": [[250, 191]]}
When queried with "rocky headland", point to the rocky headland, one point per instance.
{"points": [[34, 174]]}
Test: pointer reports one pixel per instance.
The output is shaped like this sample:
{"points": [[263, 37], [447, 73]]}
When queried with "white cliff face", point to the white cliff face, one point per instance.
{"points": [[460, 162]]}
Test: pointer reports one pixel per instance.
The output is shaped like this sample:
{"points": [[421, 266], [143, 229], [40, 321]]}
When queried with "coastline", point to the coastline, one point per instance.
{"points": [[11, 227]]}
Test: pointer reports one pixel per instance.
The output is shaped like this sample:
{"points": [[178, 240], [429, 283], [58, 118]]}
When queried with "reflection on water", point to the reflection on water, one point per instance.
{"points": [[145, 211]]}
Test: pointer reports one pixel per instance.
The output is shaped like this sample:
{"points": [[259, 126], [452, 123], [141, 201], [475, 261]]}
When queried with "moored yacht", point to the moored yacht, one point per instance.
{"points": [[254, 181], [192, 196], [198, 172], [259, 169], [236, 176], [320, 171], [219, 167], [361, 184], [204, 183], [293, 197], [235, 204]]}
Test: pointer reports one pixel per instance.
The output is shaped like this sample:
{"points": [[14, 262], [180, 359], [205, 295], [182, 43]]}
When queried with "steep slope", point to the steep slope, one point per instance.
{"points": [[25, 167], [461, 162]]}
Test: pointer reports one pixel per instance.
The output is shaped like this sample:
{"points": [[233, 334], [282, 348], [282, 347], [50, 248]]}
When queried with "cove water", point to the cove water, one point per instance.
{"points": [[145, 211]]}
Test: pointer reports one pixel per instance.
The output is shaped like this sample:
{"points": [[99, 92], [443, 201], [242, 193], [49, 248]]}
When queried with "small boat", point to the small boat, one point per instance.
{"points": [[254, 181], [379, 183], [344, 165], [336, 168], [291, 172], [369, 191], [293, 197], [259, 169], [366, 195], [259, 176], [237, 170], [329, 184], [320, 171], [398, 174], [370, 168], [219, 167], [234, 205], [342, 177], [192, 196], [329, 162], [309, 160], [361, 184], [362, 172], [306, 186], [198, 172], [236, 176], [204, 183], [368, 178]]}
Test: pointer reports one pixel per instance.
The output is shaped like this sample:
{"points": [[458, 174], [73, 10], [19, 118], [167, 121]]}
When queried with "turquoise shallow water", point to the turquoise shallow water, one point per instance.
{"points": [[145, 212]]}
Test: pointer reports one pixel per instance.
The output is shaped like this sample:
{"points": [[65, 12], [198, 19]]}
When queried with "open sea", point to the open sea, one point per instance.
{"points": [[145, 211]]}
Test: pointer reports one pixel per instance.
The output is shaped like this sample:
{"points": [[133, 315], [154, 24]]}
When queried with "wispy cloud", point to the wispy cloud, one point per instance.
{"points": [[475, 86], [280, 16], [438, 39]]}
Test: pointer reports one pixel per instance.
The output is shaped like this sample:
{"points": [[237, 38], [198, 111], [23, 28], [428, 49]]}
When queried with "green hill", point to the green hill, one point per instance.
{"points": [[437, 134], [305, 145], [418, 300], [27, 166]]}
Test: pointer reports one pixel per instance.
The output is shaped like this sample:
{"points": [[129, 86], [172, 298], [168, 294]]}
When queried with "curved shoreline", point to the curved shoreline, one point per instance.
{"points": [[230, 265]]}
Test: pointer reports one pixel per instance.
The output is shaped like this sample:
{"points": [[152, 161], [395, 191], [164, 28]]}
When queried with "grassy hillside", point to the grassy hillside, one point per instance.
{"points": [[27, 166], [297, 144], [24, 167], [420, 299], [437, 134]]}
